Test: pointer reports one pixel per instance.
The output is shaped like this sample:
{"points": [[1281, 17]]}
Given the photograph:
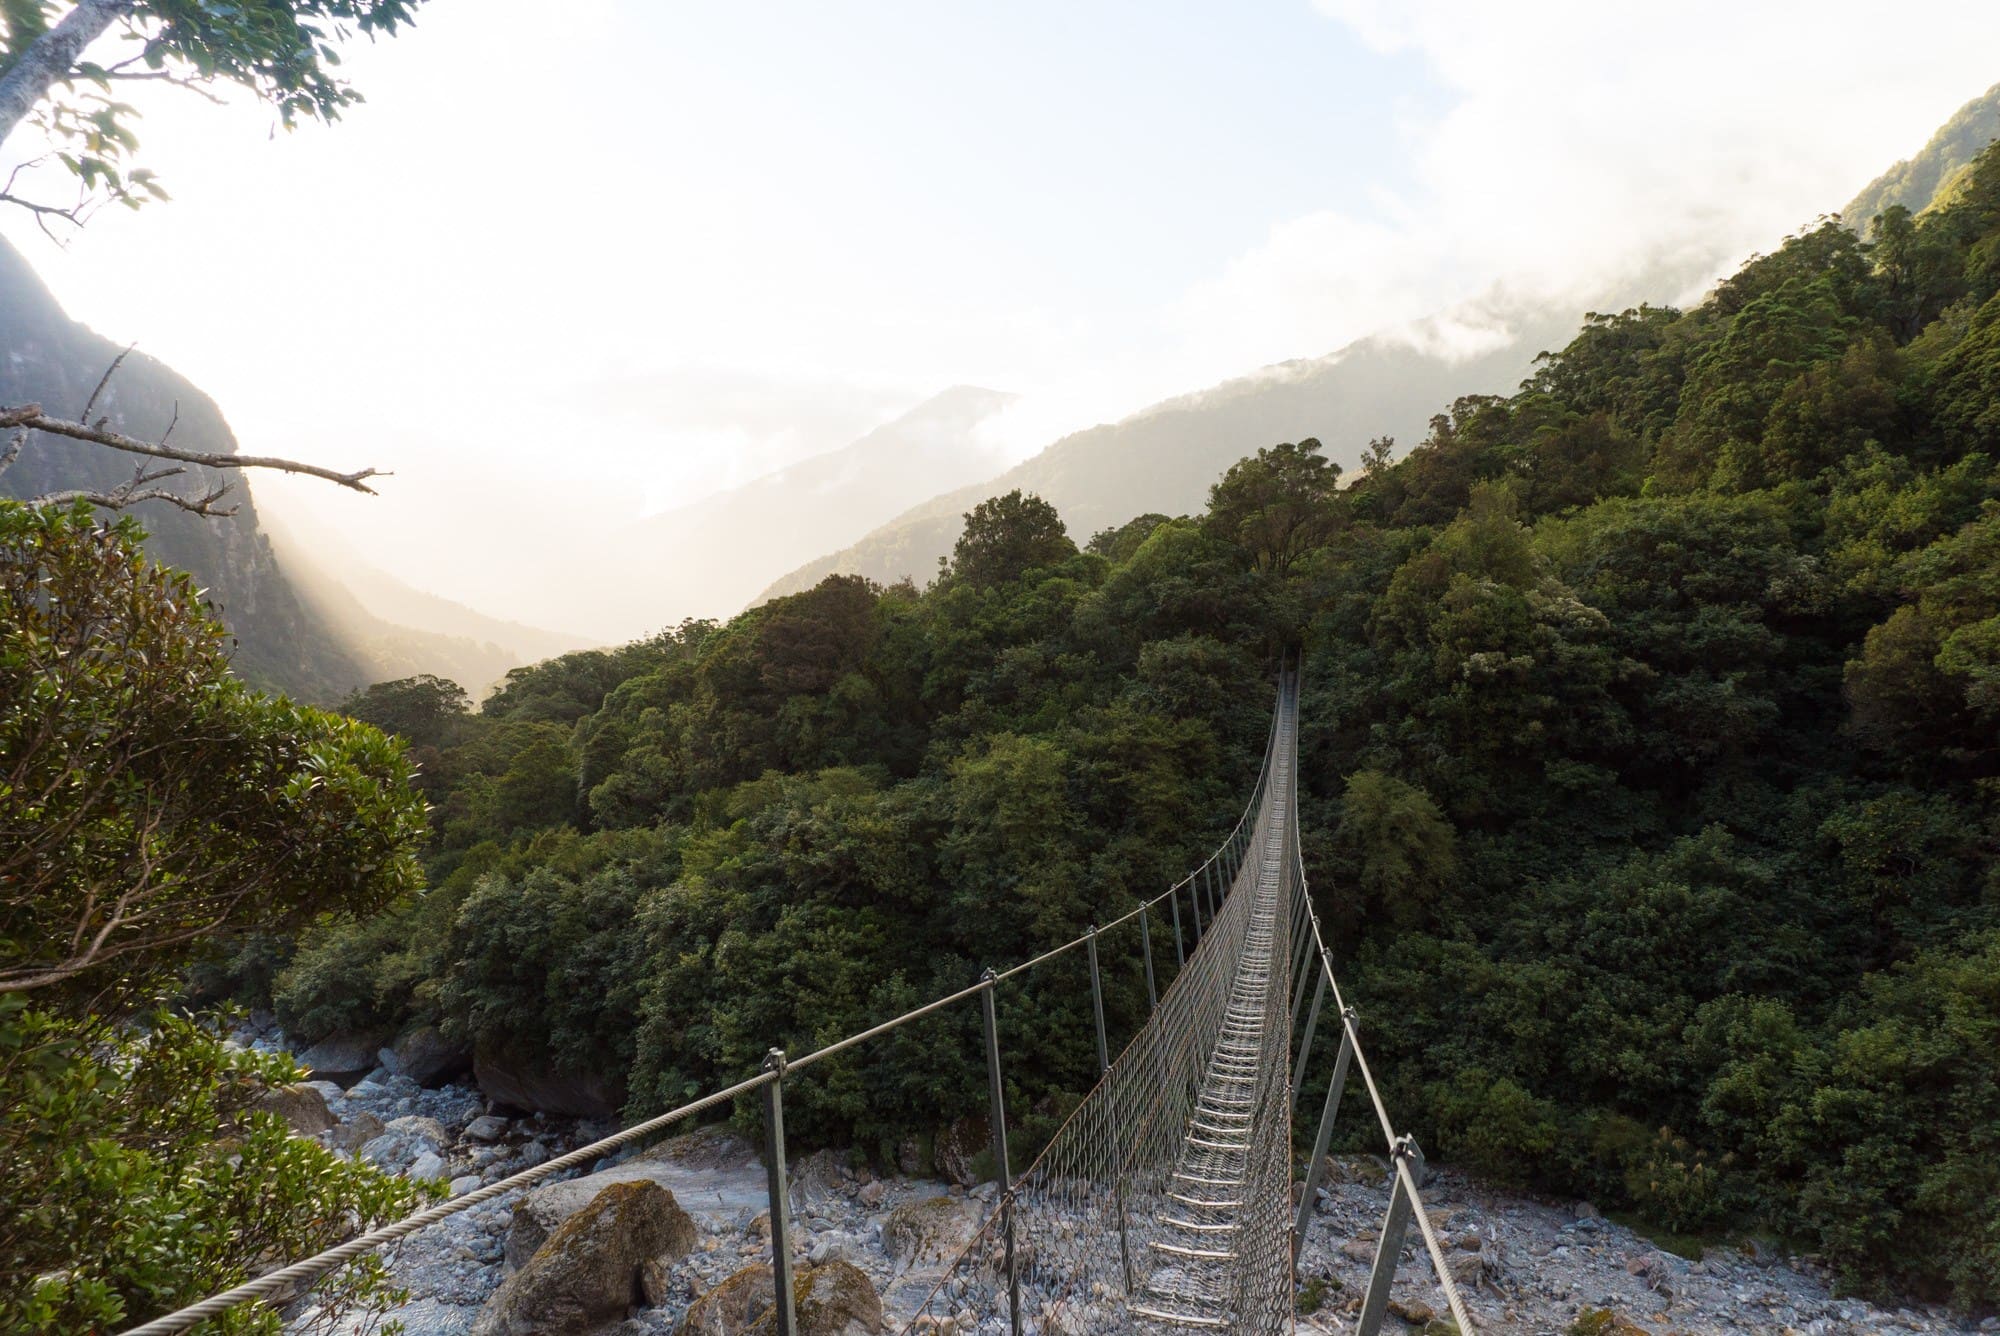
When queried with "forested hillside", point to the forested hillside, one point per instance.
{"points": [[1651, 746], [1937, 171]]}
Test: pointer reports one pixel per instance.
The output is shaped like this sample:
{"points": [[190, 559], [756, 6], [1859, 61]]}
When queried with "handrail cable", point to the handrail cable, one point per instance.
{"points": [[1401, 1163]]}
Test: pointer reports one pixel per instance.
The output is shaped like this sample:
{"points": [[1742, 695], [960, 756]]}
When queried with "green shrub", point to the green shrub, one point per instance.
{"points": [[136, 1178]]}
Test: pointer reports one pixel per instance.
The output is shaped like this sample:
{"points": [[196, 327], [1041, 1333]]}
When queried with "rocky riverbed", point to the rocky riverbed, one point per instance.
{"points": [[1523, 1266]]}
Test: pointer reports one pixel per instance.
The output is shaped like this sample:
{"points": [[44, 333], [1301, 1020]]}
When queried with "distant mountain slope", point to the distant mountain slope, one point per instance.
{"points": [[1165, 457], [710, 558], [397, 631], [50, 359], [1918, 182]]}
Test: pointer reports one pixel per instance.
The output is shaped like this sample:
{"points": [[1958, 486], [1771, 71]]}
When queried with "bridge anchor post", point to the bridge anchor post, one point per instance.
{"points": [[1180, 948], [781, 1234], [1390, 1249], [1324, 1138], [1146, 950], [997, 1098], [1306, 1043]]}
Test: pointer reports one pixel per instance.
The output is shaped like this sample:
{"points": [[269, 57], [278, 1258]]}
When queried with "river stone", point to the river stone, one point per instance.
{"points": [[486, 1127], [544, 1210], [428, 1058], [531, 1084], [932, 1229], [591, 1269], [301, 1106], [958, 1145], [341, 1058], [403, 1140], [428, 1165], [831, 1300]]}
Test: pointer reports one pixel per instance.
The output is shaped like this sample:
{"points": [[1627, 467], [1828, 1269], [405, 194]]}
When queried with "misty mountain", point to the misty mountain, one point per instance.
{"points": [[710, 558], [398, 631], [50, 359], [1928, 178], [1165, 457]]}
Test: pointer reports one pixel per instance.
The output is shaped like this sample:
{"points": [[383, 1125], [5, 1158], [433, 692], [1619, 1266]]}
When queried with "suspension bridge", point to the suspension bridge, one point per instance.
{"points": [[1166, 1203]]}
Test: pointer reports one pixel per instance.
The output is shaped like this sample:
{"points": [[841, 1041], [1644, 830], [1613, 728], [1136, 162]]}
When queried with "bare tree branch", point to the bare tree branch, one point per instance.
{"points": [[32, 418], [139, 489], [104, 380], [13, 450]]}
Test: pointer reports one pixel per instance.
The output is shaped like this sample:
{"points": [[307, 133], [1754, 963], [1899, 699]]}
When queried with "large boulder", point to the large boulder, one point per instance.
{"points": [[545, 1209], [932, 1230], [959, 1147], [428, 1058], [301, 1106], [530, 1083], [341, 1058], [831, 1300], [594, 1267]]}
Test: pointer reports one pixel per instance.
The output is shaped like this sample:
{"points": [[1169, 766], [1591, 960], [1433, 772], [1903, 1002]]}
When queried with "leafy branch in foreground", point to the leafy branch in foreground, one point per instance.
{"points": [[51, 76], [149, 799]]}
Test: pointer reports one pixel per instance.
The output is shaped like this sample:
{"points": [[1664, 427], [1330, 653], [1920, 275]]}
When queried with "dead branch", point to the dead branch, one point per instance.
{"points": [[30, 417], [104, 380]]}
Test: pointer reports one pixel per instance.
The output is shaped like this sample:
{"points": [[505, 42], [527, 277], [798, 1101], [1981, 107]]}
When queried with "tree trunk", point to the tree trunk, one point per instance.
{"points": [[50, 58]]}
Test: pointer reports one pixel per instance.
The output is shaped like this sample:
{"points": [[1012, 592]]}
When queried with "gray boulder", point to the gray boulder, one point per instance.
{"points": [[428, 1058], [958, 1147], [352, 1136], [486, 1127], [529, 1083], [588, 1271], [301, 1106], [341, 1058]]}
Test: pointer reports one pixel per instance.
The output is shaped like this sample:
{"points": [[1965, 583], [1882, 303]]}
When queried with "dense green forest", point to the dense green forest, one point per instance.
{"points": [[1649, 746]]}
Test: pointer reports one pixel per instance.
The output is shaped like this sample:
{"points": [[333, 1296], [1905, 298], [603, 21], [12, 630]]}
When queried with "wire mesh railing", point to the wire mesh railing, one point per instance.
{"points": [[1164, 1200]]}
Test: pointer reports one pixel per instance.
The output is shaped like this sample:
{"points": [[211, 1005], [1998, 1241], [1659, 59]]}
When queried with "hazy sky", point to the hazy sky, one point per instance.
{"points": [[571, 263]]}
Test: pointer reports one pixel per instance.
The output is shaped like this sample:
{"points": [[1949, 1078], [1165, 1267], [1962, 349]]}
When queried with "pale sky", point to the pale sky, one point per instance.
{"points": [[574, 263]]}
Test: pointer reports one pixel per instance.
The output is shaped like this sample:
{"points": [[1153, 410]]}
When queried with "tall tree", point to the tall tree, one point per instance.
{"points": [[1278, 504]]}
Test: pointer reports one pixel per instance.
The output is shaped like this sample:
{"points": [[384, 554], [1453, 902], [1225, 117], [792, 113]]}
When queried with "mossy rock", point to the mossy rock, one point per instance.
{"points": [[831, 1300], [731, 1306], [1603, 1322], [594, 1267]]}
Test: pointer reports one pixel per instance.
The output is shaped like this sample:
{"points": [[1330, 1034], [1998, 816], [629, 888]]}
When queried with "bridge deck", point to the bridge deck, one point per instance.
{"points": [[1194, 1272]]}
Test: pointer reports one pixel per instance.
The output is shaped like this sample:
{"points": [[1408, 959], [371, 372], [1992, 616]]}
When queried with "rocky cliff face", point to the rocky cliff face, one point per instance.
{"points": [[50, 359]]}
